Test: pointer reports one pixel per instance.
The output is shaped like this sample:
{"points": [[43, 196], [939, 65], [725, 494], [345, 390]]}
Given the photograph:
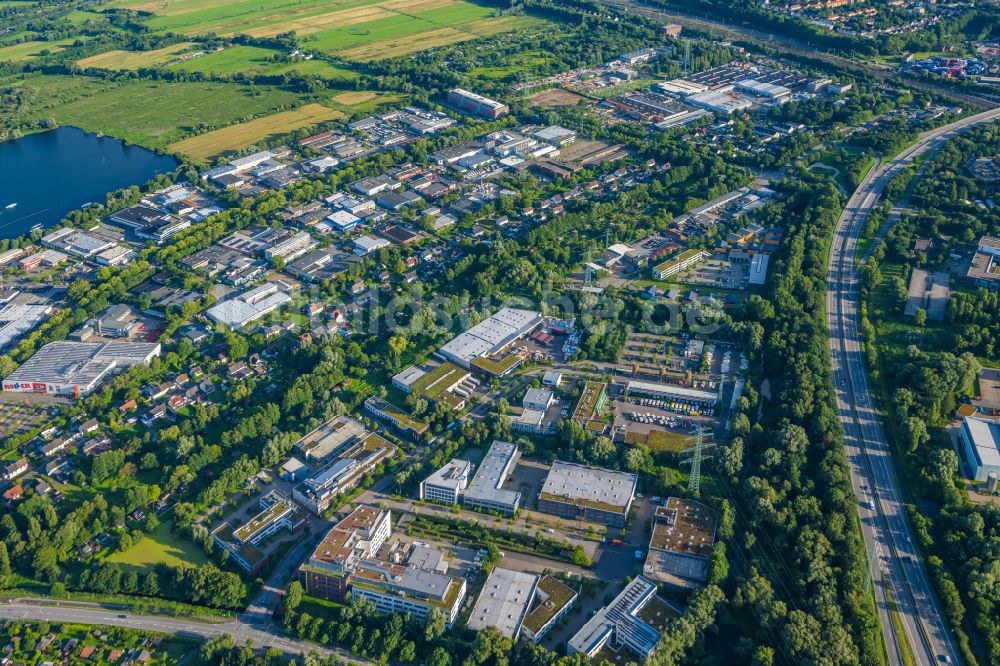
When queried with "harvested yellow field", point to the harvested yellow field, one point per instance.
{"points": [[310, 24], [241, 135], [133, 59], [400, 46], [352, 98]]}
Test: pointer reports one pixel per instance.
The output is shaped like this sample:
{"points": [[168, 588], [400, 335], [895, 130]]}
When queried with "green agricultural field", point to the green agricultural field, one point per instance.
{"points": [[253, 60], [150, 113], [357, 29], [160, 547], [28, 50]]}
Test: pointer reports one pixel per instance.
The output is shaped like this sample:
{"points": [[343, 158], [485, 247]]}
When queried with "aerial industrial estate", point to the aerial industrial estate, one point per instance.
{"points": [[470, 333]]}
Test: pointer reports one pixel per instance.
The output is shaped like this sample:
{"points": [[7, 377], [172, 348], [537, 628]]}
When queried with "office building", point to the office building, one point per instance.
{"points": [[680, 544], [552, 601], [503, 602], [407, 590], [984, 271], [277, 513], [589, 493], [484, 491], [447, 484], [358, 536], [681, 262], [346, 564], [348, 466], [118, 321], [529, 420], [618, 624], [538, 399], [477, 105], [76, 368]]}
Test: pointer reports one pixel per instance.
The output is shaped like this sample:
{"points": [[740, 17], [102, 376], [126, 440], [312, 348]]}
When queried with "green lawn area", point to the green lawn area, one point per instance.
{"points": [[898, 331], [149, 113], [253, 60], [160, 546]]}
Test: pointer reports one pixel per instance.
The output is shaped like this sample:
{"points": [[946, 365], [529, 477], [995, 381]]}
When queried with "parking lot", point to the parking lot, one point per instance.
{"points": [[719, 273], [17, 418]]}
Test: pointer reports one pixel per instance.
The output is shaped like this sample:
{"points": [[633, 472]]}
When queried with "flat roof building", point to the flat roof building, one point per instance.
{"points": [[477, 105], [484, 491], [619, 624], [538, 399], [504, 601], [683, 533], [671, 392], [344, 473], [16, 319], [718, 101], [277, 513], [553, 600], [591, 493], [76, 368], [980, 440], [249, 306], [330, 438], [984, 271], [448, 483], [358, 536], [491, 336]]}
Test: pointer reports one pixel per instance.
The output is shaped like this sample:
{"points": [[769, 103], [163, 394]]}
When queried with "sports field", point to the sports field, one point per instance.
{"points": [[149, 113], [160, 546], [241, 135], [355, 29]]}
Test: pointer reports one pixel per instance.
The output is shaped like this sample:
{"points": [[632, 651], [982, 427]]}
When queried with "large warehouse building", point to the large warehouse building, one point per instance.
{"points": [[491, 336], [76, 368], [981, 440]]}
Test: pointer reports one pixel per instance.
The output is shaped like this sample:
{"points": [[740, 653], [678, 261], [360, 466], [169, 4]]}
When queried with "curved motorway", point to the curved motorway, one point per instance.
{"points": [[898, 575]]}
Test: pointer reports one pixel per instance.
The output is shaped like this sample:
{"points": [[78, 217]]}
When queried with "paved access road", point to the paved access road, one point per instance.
{"points": [[261, 635], [898, 574]]}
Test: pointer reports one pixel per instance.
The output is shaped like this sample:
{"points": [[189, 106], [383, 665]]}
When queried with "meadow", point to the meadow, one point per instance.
{"points": [[254, 60], [28, 50], [149, 113], [160, 547], [204, 146], [248, 60], [119, 59]]}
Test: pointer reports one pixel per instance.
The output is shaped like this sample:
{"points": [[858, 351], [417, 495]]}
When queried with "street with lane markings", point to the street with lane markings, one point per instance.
{"points": [[900, 579]]}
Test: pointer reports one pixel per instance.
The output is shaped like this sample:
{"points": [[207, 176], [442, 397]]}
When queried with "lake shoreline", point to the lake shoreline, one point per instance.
{"points": [[51, 173]]}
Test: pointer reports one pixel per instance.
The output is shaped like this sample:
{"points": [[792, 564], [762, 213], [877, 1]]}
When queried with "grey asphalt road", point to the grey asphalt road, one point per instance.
{"points": [[898, 573], [262, 636]]}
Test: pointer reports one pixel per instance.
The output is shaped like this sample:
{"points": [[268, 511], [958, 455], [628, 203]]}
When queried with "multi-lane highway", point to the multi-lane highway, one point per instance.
{"points": [[899, 577]]}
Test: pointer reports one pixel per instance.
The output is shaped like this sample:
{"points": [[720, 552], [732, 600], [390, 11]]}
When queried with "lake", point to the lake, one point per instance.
{"points": [[51, 173]]}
